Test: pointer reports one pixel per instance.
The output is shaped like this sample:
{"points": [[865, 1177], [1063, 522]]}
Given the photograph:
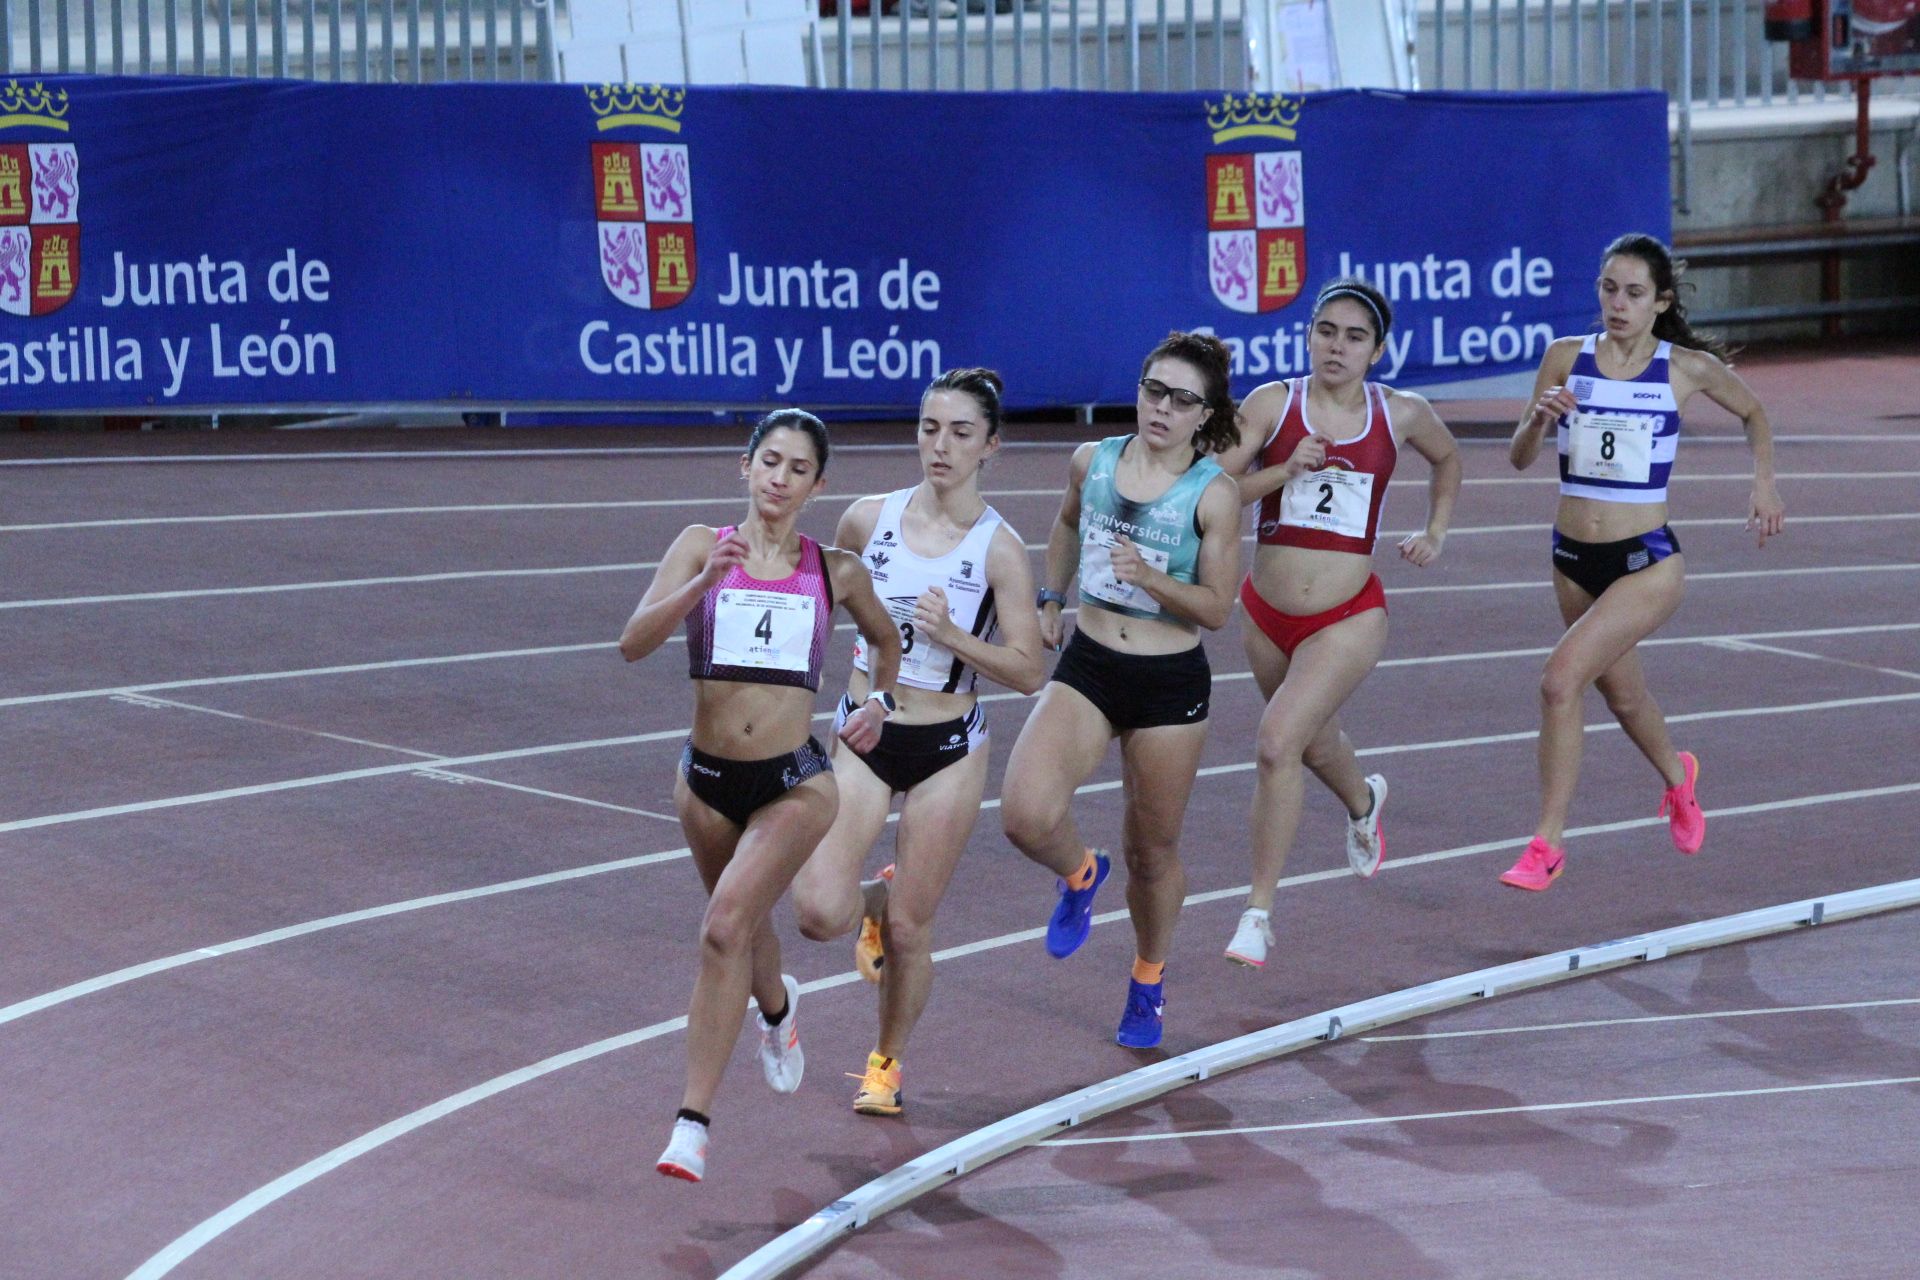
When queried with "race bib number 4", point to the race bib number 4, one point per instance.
{"points": [[1334, 501], [1611, 446], [1096, 573], [767, 629]]}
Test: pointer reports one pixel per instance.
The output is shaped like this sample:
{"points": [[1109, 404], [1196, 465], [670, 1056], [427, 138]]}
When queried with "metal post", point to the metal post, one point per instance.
{"points": [[6, 36], [1133, 46], [845, 21], [1439, 44], [226, 36], [334, 54], [873, 45], [991, 8], [960, 54], [1686, 106], [466, 36], [1466, 43], [88, 40], [1493, 25], [1552, 76], [60, 45], [1573, 46], [1746, 28], [1161, 34], [1193, 49], [1219, 47], [493, 38], [1633, 44], [33, 35], [1606, 45], [933, 44], [116, 14], [279, 37], [173, 37], [1073, 36], [1521, 43], [519, 38], [1659, 46], [1100, 16], [1713, 53], [543, 35]]}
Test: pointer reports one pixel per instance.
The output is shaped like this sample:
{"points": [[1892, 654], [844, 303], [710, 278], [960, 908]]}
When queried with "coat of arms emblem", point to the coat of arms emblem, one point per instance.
{"points": [[643, 198], [1256, 206], [39, 203]]}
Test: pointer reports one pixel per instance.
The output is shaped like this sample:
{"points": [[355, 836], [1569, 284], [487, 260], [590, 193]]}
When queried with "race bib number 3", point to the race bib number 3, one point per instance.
{"points": [[1096, 573], [766, 629], [1334, 501], [1610, 446], [921, 660]]}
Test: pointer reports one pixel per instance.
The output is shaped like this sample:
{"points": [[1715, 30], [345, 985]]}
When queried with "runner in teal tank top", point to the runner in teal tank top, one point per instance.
{"points": [[1149, 530]]}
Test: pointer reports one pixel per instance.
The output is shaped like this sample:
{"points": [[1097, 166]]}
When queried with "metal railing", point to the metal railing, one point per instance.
{"points": [[1034, 44], [363, 40]]}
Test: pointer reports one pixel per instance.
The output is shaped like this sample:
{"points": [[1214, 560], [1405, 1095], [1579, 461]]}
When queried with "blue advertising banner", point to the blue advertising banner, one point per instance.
{"points": [[182, 244]]}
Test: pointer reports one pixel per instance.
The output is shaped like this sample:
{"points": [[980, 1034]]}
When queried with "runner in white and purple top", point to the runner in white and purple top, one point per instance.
{"points": [[1618, 446], [759, 632]]}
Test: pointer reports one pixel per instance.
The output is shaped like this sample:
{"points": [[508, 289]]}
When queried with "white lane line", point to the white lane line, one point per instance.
{"points": [[564, 453], [336, 584], [211, 1229], [1705, 1015], [1749, 646], [541, 651], [470, 508], [1527, 1109], [147, 700], [454, 776], [91, 985], [1744, 476]]}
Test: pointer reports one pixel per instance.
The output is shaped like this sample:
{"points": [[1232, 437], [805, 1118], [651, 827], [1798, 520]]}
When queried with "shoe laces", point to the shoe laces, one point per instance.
{"points": [[877, 1079], [1140, 1004]]}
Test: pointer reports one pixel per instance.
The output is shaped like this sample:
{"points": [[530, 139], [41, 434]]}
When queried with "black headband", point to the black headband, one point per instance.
{"points": [[1348, 291]]}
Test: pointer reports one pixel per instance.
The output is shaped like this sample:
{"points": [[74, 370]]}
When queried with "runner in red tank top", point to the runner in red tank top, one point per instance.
{"points": [[1317, 456]]}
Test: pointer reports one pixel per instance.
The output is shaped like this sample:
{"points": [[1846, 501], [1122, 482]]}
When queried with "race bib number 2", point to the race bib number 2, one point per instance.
{"points": [[1610, 446], [1096, 573], [1334, 500], [771, 630]]}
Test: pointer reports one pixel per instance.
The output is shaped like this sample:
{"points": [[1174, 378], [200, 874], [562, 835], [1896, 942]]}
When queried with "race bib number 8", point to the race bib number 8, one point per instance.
{"points": [[1334, 501], [1096, 573], [1611, 446], [767, 629]]}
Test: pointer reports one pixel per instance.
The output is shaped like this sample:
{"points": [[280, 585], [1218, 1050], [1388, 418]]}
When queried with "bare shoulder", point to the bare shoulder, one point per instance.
{"points": [[857, 521]]}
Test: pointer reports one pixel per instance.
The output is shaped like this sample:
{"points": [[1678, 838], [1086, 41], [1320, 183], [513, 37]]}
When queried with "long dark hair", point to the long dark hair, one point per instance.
{"points": [[1670, 324], [984, 385], [1221, 430], [796, 420]]}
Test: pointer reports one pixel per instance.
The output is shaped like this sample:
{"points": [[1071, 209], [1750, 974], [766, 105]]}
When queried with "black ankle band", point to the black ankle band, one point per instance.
{"points": [[688, 1113]]}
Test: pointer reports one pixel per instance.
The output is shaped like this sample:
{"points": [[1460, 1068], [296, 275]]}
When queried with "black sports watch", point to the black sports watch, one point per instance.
{"points": [[1047, 596]]}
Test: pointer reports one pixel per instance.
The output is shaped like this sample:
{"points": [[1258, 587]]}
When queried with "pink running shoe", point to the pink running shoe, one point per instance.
{"points": [[1537, 868], [1682, 811]]}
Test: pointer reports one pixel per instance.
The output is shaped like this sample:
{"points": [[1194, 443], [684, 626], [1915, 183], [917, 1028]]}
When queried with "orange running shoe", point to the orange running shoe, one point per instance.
{"points": [[879, 1093], [1539, 866], [1682, 811], [869, 951]]}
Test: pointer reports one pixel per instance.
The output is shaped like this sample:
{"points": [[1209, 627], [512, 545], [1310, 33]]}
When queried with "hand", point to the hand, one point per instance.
{"points": [[862, 729], [930, 616], [1053, 627], [1766, 515], [1422, 548], [1128, 566], [1309, 455], [727, 554], [1554, 401]]}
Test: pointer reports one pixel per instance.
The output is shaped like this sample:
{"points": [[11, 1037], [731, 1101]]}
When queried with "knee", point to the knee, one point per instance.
{"points": [[725, 932], [816, 924], [1153, 862], [1623, 703], [908, 934], [1560, 687], [1028, 824], [1279, 748]]}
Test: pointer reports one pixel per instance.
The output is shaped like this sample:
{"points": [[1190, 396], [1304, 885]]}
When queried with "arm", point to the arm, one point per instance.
{"points": [[1267, 404], [694, 562], [853, 587], [1766, 514], [1209, 600], [1063, 548], [1016, 661], [1422, 428], [1550, 399]]}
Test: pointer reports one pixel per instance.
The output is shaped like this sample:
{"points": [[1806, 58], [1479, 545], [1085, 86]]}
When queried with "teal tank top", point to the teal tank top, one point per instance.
{"points": [[1165, 531]]}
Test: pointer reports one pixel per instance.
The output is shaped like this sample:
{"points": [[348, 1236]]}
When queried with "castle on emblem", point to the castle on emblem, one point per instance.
{"points": [[643, 196]]}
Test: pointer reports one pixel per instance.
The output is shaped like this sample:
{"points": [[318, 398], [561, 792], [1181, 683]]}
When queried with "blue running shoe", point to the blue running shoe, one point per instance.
{"points": [[1140, 1024], [1072, 917]]}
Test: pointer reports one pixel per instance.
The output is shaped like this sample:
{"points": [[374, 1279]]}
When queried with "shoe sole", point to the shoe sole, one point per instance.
{"points": [[879, 1108], [1138, 1044], [1246, 961], [676, 1171]]}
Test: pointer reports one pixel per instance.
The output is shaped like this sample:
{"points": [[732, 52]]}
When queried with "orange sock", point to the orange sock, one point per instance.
{"points": [[1084, 876], [1148, 974]]}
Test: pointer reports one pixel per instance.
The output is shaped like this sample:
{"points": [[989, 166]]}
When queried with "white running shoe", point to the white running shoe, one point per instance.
{"points": [[686, 1153], [780, 1056], [1366, 842], [1251, 939]]}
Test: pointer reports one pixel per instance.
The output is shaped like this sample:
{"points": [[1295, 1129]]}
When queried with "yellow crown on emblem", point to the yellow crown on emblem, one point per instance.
{"points": [[652, 105], [32, 105], [1255, 115]]}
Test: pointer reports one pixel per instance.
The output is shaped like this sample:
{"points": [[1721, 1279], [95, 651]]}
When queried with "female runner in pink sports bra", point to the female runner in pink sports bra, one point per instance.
{"points": [[756, 791]]}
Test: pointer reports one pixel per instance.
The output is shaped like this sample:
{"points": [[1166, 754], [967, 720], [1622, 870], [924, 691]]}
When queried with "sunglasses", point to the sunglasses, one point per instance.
{"points": [[1154, 391]]}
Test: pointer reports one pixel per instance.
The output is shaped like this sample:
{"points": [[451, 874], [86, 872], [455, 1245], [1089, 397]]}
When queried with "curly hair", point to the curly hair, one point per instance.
{"points": [[1221, 430]]}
